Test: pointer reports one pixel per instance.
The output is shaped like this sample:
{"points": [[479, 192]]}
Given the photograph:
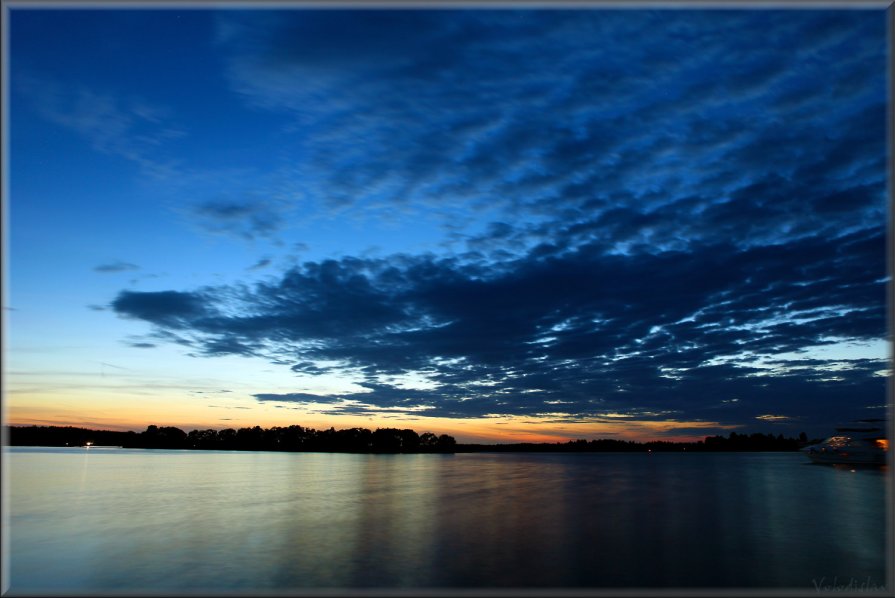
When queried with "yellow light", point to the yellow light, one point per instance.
{"points": [[882, 443]]}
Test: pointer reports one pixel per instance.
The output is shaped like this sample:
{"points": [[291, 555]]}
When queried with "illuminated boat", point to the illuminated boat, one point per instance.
{"points": [[858, 445]]}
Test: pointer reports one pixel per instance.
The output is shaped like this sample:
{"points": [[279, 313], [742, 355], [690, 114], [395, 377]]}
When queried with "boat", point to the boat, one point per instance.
{"points": [[863, 444]]}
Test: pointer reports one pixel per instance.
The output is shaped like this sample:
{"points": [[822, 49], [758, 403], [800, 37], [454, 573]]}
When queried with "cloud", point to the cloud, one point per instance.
{"points": [[296, 397], [129, 128], [118, 266], [143, 345], [165, 308], [260, 264], [773, 418], [543, 115], [598, 332], [248, 219]]}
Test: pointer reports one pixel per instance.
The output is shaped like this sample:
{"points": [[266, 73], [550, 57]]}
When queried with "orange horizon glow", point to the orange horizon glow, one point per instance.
{"points": [[127, 409], [477, 431]]}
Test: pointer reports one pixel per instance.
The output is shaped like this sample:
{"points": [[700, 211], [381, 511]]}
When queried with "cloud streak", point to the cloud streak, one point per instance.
{"points": [[129, 128], [115, 267]]}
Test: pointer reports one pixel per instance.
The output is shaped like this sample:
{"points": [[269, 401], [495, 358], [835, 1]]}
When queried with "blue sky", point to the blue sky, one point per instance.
{"points": [[503, 223]]}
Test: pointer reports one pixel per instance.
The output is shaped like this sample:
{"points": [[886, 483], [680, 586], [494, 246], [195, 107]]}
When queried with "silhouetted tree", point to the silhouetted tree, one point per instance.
{"points": [[203, 439], [428, 441], [410, 441], [446, 443], [227, 439], [356, 440], [167, 437], [250, 439], [387, 440]]}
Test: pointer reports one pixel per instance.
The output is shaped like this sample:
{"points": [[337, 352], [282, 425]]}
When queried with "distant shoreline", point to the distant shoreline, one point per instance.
{"points": [[361, 440]]}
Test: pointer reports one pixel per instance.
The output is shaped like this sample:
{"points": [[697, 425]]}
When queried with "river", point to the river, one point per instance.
{"points": [[121, 520]]}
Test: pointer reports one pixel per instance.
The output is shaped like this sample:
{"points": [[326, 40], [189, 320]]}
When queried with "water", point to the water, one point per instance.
{"points": [[105, 520]]}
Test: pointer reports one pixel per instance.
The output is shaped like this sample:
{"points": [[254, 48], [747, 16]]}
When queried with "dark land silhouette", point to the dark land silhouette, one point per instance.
{"points": [[732, 442], [291, 438], [362, 440]]}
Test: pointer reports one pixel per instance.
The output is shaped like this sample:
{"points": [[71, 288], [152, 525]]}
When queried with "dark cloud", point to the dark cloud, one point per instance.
{"points": [[248, 219], [143, 345], [554, 117], [297, 397], [260, 264], [580, 333], [172, 309], [116, 267]]}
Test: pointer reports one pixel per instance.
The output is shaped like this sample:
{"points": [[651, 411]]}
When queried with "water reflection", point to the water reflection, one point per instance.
{"points": [[172, 520]]}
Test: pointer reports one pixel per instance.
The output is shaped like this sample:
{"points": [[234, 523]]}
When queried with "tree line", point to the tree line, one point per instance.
{"points": [[290, 438], [732, 442], [361, 440]]}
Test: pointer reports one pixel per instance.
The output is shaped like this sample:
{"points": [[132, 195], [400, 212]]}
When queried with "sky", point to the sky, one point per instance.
{"points": [[505, 224]]}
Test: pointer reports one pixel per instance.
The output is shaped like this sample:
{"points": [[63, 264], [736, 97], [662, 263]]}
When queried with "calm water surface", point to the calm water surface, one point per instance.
{"points": [[112, 519]]}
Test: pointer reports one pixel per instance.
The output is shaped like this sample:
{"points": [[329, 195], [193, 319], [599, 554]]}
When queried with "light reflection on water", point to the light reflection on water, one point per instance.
{"points": [[112, 519]]}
